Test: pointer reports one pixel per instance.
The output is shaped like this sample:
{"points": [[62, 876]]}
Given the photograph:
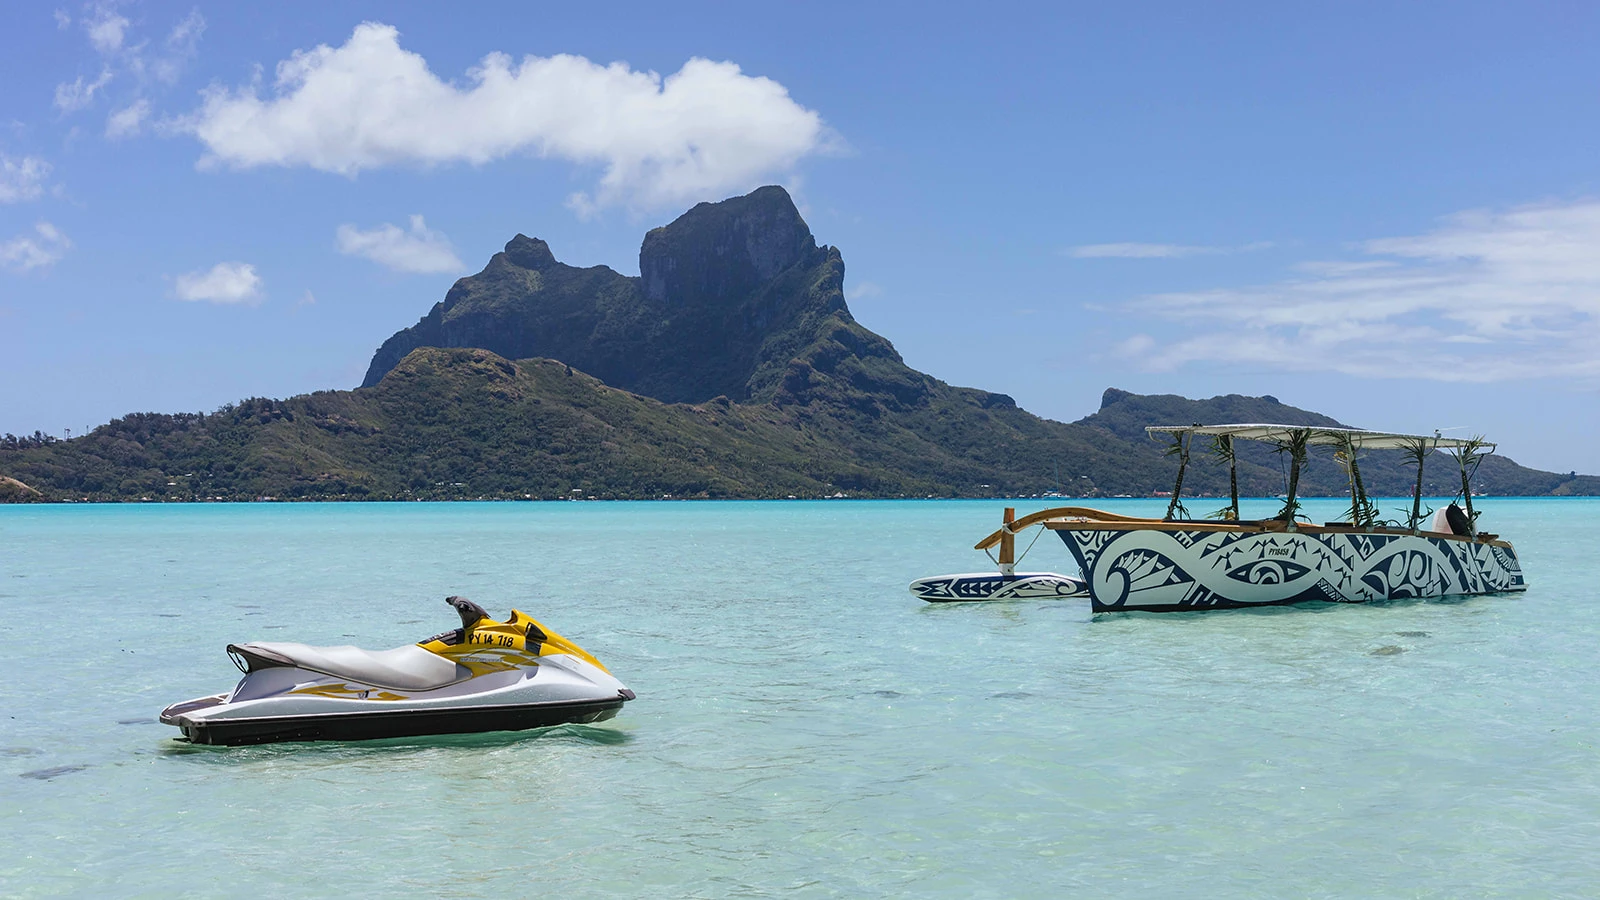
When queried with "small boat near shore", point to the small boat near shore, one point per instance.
{"points": [[484, 676], [971, 586], [1177, 563]]}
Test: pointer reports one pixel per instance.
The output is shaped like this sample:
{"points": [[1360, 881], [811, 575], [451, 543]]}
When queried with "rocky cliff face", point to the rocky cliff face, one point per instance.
{"points": [[729, 295], [523, 304], [718, 253]]}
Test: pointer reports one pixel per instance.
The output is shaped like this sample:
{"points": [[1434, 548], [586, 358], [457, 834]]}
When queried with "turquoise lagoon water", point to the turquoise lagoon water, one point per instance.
{"points": [[804, 727]]}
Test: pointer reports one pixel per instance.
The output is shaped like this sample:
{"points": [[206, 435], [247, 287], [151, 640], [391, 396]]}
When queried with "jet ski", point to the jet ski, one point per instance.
{"points": [[484, 676]]}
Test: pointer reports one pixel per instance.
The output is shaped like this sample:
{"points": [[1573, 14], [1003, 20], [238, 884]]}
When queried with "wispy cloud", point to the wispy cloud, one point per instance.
{"points": [[105, 26], [141, 64], [1486, 296], [1133, 250], [80, 93], [863, 290], [705, 130], [224, 283], [181, 46], [420, 250], [126, 122], [40, 249], [22, 178], [1337, 268], [105, 29]]}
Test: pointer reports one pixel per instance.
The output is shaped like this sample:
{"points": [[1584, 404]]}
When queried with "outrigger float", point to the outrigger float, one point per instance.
{"points": [[1177, 563]]}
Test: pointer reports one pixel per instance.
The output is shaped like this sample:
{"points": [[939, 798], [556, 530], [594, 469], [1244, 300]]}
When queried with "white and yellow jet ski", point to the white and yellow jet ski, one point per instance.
{"points": [[483, 676]]}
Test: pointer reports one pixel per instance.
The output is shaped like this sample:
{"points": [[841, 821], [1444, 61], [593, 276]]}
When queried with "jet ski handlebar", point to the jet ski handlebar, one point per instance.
{"points": [[470, 612]]}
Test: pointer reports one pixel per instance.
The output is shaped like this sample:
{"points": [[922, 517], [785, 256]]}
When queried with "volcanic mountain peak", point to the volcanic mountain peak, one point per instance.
{"points": [[729, 294], [529, 253], [724, 251]]}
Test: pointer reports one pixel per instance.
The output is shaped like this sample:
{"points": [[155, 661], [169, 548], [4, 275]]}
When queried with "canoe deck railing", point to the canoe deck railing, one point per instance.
{"points": [[1082, 518]]}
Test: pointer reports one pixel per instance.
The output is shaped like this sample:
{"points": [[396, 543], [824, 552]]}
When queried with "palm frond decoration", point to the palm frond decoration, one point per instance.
{"points": [[1222, 451], [1347, 453], [1421, 514], [1295, 445], [1469, 455], [1180, 449], [1415, 452]]}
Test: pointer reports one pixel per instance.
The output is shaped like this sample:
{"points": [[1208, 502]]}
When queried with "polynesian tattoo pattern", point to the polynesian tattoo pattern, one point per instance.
{"points": [[1176, 570]]}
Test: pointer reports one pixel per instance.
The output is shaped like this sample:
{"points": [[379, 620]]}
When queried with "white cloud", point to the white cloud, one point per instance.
{"points": [[105, 28], [80, 93], [22, 179], [419, 250], [226, 282], [1156, 251], [1135, 251], [704, 131], [863, 290], [1486, 296], [185, 36], [126, 122], [63, 20], [108, 33], [1137, 345], [181, 46], [1341, 267], [41, 249]]}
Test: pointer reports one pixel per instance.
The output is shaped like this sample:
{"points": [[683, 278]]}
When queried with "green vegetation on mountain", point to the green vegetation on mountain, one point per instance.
{"points": [[731, 367], [14, 491]]}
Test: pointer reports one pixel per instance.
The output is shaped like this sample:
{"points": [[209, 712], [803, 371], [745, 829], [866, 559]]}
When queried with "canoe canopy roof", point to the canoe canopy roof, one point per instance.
{"points": [[1278, 434]]}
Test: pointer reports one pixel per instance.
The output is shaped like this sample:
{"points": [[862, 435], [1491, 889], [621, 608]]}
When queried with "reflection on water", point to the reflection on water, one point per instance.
{"points": [[52, 772]]}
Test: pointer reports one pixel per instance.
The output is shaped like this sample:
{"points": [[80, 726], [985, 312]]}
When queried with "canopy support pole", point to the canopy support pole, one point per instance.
{"points": [[1469, 453], [1360, 513], [1416, 496], [1181, 448], [1355, 501], [1289, 504], [1466, 496], [1233, 486], [1295, 446]]}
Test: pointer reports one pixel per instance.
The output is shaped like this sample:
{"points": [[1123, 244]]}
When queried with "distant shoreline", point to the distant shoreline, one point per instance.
{"points": [[1065, 501]]}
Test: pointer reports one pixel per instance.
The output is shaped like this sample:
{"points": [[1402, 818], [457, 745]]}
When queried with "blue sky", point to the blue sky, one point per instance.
{"points": [[1387, 214]]}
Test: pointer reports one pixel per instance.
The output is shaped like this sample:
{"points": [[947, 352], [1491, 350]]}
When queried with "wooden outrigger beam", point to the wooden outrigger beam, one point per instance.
{"points": [[1008, 542], [1010, 528]]}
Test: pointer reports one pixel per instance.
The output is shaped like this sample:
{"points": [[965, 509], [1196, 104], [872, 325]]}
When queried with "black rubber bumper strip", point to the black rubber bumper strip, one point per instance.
{"points": [[400, 723]]}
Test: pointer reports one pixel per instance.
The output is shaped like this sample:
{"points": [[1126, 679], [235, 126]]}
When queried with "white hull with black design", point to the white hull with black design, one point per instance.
{"points": [[1176, 564], [1195, 566], [484, 676]]}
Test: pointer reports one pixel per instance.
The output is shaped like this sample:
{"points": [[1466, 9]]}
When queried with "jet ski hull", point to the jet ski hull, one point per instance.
{"points": [[389, 723]]}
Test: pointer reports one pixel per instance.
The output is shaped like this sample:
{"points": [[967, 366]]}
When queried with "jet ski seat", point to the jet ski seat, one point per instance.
{"points": [[408, 668]]}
